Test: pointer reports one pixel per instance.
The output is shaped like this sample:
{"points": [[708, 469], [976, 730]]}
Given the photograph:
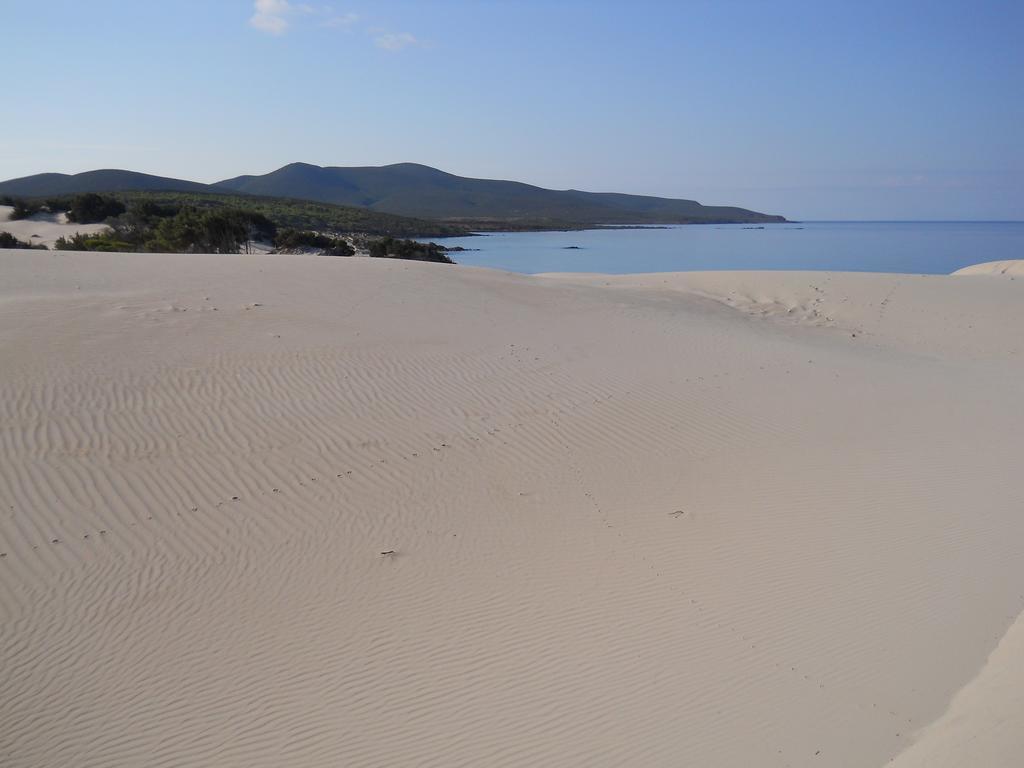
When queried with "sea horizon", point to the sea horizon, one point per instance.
{"points": [[914, 247]]}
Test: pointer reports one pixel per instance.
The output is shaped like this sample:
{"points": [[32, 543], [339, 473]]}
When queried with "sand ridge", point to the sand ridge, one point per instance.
{"points": [[641, 520], [1008, 267]]}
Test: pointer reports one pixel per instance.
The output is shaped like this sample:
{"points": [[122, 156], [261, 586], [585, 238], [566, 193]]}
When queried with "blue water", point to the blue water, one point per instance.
{"points": [[912, 247]]}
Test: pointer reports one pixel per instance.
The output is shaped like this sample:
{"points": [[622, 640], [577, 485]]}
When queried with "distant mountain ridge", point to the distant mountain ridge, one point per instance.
{"points": [[409, 189], [104, 180]]}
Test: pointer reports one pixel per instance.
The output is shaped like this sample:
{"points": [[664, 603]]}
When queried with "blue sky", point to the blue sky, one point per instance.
{"points": [[855, 110]]}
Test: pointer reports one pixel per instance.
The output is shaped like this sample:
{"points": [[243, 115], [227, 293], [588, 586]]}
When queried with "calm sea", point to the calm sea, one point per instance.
{"points": [[912, 247]]}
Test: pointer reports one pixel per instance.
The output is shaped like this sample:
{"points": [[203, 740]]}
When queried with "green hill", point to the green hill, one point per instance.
{"points": [[106, 180], [413, 191], [417, 190]]}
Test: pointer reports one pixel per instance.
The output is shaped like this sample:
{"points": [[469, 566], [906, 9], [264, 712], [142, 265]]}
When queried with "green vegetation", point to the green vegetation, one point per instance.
{"points": [[148, 227], [91, 208], [293, 239], [87, 208], [390, 248], [22, 209], [285, 213], [300, 215], [168, 226], [192, 230], [80, 242], [7, 240]]}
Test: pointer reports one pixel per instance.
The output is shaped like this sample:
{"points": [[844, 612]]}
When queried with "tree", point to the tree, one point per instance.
{"points": [[390, 248], [23, 209], [91, 208]]}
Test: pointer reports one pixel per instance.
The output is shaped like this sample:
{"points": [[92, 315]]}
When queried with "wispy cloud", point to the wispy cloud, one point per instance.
{"points": [[271, 16], [275, 18], [395, 41], [345, 20]]}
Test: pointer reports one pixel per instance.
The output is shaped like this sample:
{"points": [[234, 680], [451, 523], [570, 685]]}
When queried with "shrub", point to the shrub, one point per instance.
{"points": [[289, 239], [23, 209], [390, 248], [57, 204], [74, 243], [103, 242], [7, 240]]}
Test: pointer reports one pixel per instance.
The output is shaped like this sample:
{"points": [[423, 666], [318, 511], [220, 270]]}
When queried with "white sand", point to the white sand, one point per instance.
{"points": [[718, 519], [44, 228], [983, 726], [1008, 267]]}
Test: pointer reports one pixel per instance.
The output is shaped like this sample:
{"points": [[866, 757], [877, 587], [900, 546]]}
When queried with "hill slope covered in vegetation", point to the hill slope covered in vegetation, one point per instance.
{"points": [[413, 191], [418, 190]]}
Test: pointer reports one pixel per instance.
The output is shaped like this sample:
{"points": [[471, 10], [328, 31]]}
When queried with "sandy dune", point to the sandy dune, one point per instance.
{"points": [[44, 228], [717, 519], [1008, 267]]}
